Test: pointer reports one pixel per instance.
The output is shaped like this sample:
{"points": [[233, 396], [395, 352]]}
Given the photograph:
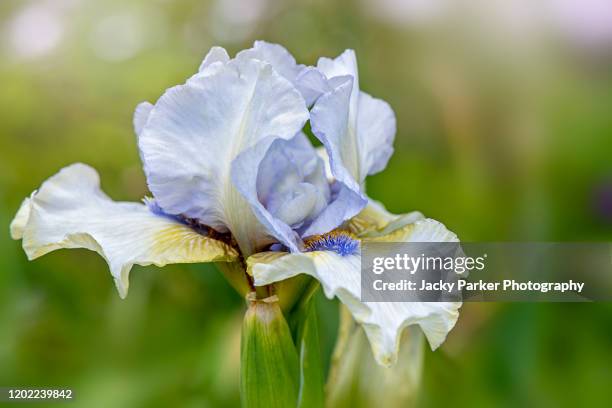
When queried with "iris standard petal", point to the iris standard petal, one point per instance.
{"points": [[71, 211], [329, 121], [141, 116], [356, 129], [287, 189], [196, 130], [244, 177], [375, 131], [344, 204], [340, 276], [343, 65], [290, 192], [287, 163], [216, 55], [312, 84], [275, 54], [373, 219], [309, 81]]}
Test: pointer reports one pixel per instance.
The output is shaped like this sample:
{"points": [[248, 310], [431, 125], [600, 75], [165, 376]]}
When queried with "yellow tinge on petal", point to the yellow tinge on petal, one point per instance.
{"points": [[376, 221], [71, 211], [182, 243], [21, 219]]}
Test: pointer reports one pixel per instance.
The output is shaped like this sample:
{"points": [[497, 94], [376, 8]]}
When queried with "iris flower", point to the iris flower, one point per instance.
{"points": [[236, 181]]}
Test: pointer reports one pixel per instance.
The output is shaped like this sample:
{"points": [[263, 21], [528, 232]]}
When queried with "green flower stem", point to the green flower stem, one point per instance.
{"points": [[304, 320], [290, 291], [305, 299], [236, 276]]}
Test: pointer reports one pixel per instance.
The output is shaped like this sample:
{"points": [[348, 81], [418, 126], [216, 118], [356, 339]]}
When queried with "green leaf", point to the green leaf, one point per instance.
{"points": [[269, 372], [311, 393]]}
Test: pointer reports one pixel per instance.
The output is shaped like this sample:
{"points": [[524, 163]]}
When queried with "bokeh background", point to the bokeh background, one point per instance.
{"points": [[504, 112]]}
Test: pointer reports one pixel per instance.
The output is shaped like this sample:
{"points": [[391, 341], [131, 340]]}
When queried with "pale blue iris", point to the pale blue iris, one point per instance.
{"points": [[225, 150]]}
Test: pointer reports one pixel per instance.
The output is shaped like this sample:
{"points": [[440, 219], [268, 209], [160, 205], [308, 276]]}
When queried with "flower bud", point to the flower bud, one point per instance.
{"points": [[269, 362]]}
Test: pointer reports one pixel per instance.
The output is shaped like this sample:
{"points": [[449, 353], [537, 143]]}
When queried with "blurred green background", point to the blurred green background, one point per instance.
{"points": [[504, 115]]}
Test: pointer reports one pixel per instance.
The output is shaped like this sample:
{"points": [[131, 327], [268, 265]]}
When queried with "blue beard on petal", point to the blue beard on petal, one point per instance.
{"points": [[341, 242]]}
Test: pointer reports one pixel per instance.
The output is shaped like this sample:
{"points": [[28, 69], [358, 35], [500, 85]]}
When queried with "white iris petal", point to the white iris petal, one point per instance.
{"points": [[71, 211], [340, 276]]}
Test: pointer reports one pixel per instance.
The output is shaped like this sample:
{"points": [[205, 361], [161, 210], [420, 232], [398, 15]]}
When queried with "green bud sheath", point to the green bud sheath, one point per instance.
{"points": [[269, 372]]}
